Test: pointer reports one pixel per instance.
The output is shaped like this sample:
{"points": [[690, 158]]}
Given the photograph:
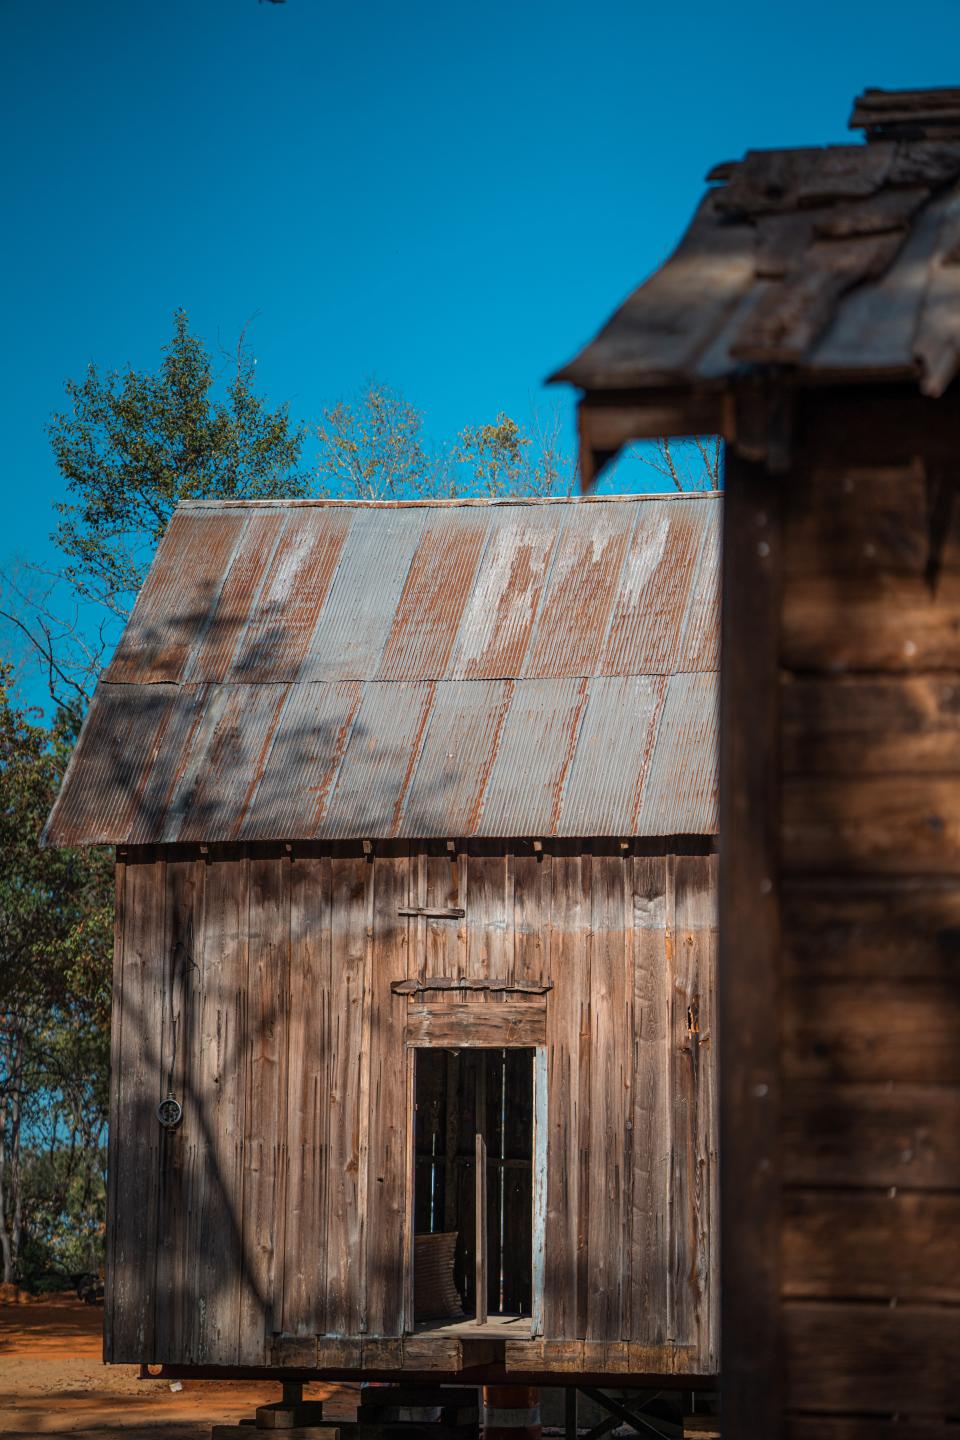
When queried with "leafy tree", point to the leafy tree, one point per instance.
{"points": [[130, 445], [55, 945], [373, 447]]}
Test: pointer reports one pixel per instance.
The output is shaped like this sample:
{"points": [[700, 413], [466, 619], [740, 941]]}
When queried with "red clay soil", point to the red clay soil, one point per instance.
{"points": [[53, 1382]]}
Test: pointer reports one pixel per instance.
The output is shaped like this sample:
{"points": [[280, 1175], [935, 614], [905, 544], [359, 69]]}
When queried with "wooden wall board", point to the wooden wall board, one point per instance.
{"points": [[388, 1120], [265, 1101], [474, 1024], [282, 1204], [134, 1217], [871, 1135], [749, 960], [309, 1064], [871, 928], [881, 1359], [893, 1245], [857, 819], [651, 1110], [182, 923]]}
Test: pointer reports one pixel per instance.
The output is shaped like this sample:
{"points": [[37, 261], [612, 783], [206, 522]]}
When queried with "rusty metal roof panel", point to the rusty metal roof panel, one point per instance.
{"points": [[111, 766], [179, 596], [381, 754], [654, 588], [584, 579], [218, 641], [303, 761], [462, 739], [680, 795], [333, 677], [293, 593], [223, 771], [504, 601], [700, 643], [437, 587], [354, 625], [524, 793], [612, 757]]}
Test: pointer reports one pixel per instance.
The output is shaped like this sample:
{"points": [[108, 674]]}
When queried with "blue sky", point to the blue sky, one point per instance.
{"points": [[448, 196]]}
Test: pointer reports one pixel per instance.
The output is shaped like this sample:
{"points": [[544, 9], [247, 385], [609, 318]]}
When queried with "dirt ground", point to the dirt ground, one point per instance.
{"points": [[53, 1382]]}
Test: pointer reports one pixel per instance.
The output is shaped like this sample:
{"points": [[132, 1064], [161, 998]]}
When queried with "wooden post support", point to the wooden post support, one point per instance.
{"points": [[749, 959], [481, 1228]]}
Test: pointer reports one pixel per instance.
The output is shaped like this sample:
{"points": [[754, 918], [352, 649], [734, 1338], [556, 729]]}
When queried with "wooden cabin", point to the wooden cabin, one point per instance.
{"points": [[811, 316], [413, 1060]]}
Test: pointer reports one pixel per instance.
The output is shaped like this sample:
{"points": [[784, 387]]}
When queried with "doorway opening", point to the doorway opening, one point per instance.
{"points": [[474, 1184]]}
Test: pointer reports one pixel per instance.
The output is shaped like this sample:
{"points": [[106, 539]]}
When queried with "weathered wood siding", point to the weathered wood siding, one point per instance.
{"points": [[255, 983], [862, 1292]]}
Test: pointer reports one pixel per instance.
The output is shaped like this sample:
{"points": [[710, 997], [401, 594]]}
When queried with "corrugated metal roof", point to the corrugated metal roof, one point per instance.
{"points": [[837, 261], [324, 670]]}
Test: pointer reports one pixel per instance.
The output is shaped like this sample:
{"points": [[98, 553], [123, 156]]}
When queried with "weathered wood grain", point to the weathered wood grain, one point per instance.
{"points": [[871, 1135], [351, 884], [903, 1033], [476, 1025], [876, 1359], [864, 928], [693, 1091], [388, 1120], [309, 1063], [283, 1203], [445, 943], [881, 825], [894, 1245], [264, 1154], [888, 622], [114, 1149], [177, 1147], [749, 962], [566, 1016], [219, 1075], [138, 1141], [611, 1004], [862, 521], [869, 725], [649, 1244]]}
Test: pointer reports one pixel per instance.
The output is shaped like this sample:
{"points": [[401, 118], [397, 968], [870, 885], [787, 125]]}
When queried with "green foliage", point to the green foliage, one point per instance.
{"points": [[133, 444], [55, 954]]}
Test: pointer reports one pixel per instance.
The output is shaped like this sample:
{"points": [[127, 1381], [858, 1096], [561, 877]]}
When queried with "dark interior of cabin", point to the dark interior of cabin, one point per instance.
{"points": [[474, 1143]]}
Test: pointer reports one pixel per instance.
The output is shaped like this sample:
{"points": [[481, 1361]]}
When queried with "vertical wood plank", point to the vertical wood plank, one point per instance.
{"points": [[649, 1259], [219, 1081], [609, 1094], [308, 1089], [352, 889], [445, 942], [268, 981], [531, 910], [388, 1120], [565, 1016], [114, 1146], [137, 1079], [691, 1099], [749, 961], [488, 952], [177, 1147]]}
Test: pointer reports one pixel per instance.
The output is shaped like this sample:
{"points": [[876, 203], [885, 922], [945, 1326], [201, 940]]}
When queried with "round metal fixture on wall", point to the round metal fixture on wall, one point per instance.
{"points": [[170, 1112]]}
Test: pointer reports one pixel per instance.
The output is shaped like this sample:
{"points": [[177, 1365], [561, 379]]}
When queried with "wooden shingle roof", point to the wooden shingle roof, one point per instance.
{"points": [[841, 263]]}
